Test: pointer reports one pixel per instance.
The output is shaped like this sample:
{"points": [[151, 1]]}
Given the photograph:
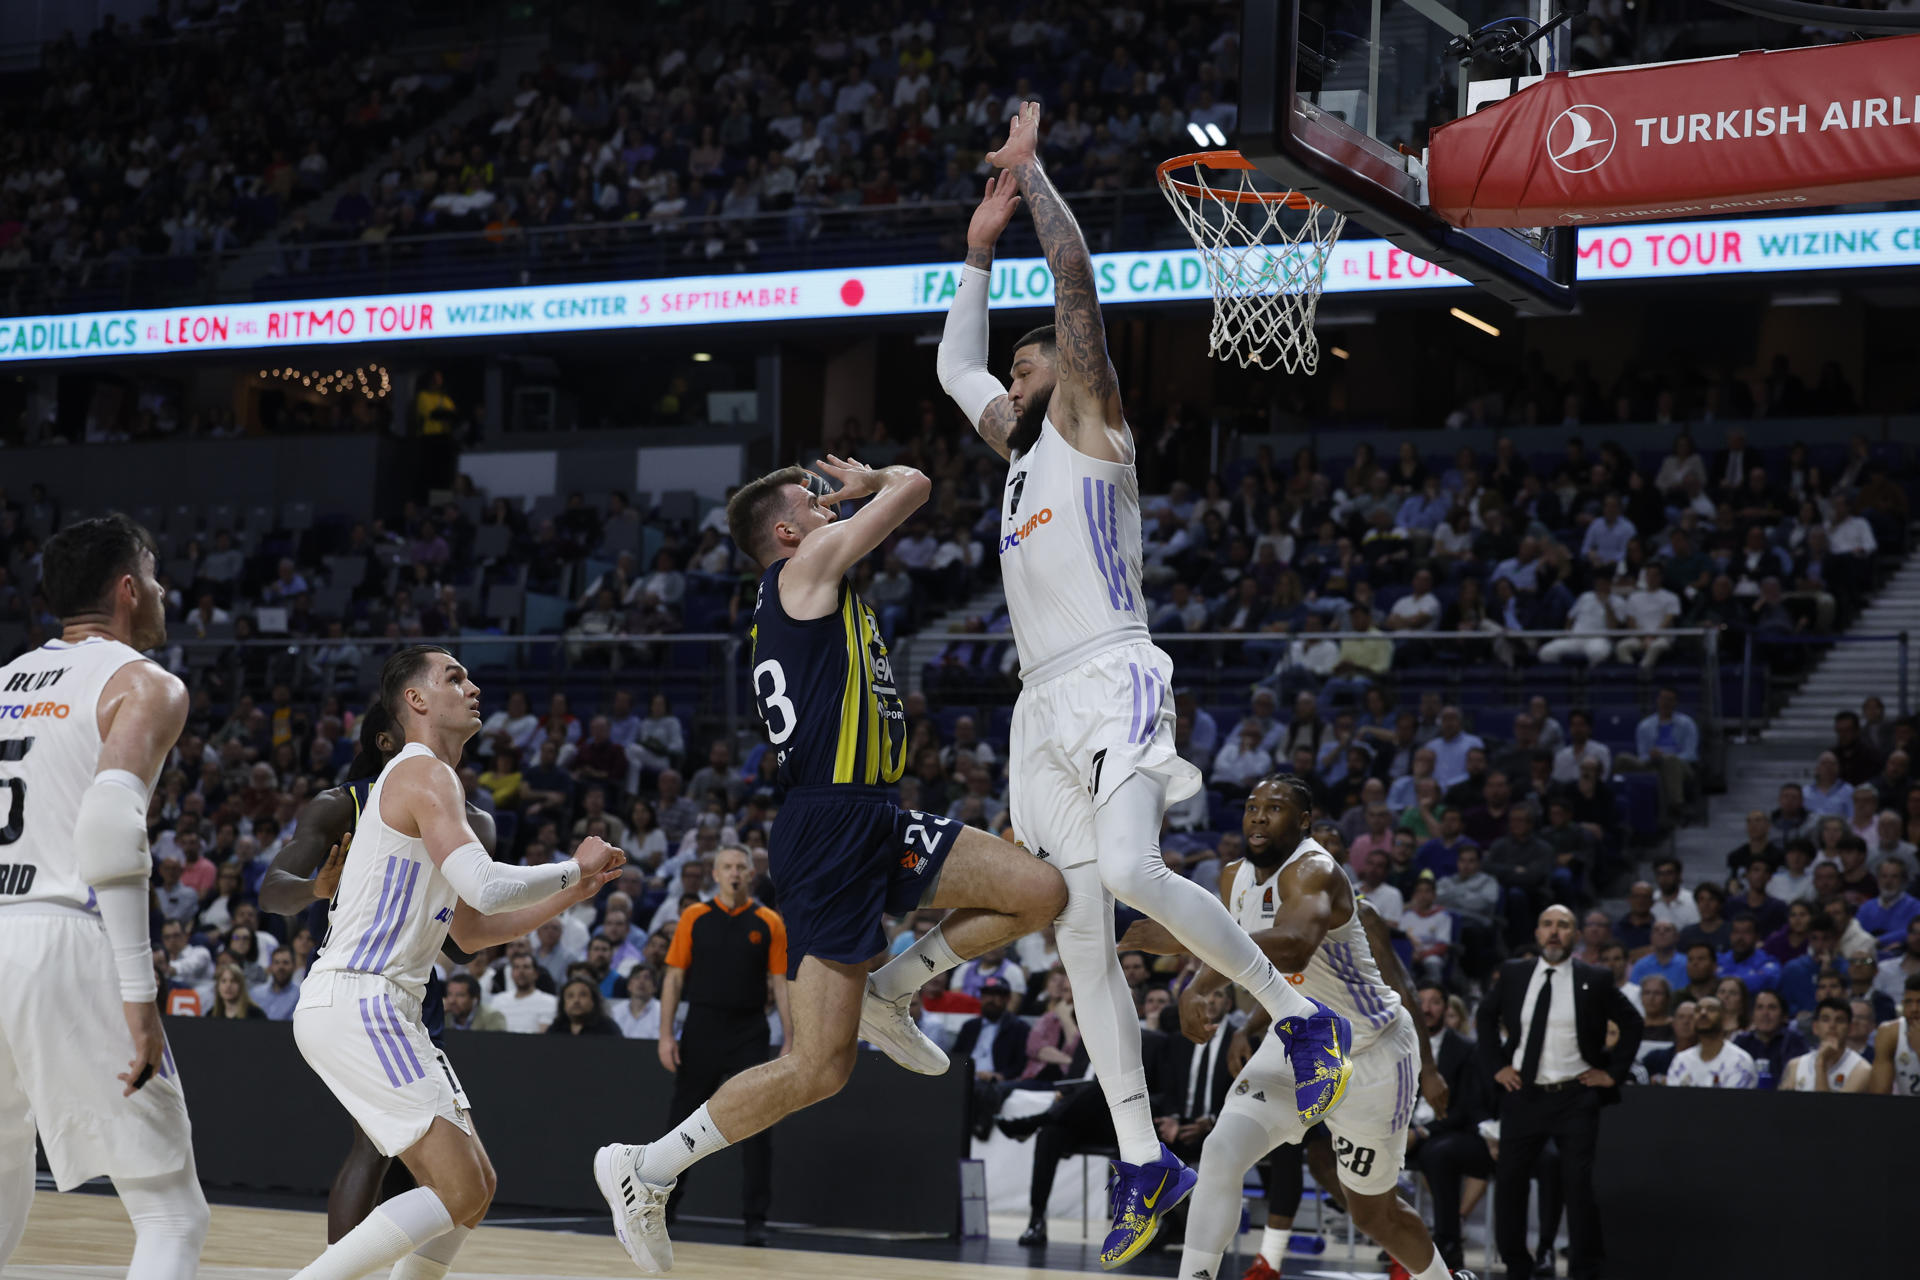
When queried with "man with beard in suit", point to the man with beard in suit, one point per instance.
{"points": [[1543, 1037]]}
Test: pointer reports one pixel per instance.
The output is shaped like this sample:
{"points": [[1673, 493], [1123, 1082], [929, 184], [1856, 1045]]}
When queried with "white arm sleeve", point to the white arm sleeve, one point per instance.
{"points": [[962, 362], [110, 845], [492, 887]]}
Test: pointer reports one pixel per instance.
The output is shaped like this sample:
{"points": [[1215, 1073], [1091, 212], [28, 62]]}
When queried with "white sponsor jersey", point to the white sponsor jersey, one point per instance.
{"points": [[1802, 1073], [1342, 974], [394, 907], [1732, 1068], [1070, 554], [49, 752], [1906, 1063]]}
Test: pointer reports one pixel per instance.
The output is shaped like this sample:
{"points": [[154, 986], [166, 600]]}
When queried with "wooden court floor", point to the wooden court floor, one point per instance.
{"points": [[87, 1237]]}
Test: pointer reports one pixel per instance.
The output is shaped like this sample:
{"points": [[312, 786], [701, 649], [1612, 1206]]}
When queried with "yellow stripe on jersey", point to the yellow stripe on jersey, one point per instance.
{"points": [[846, 758], [881, 767], [876, 744]]}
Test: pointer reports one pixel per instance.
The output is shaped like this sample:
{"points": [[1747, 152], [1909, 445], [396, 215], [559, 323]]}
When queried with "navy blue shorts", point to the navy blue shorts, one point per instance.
{"points": [[844, 856]]}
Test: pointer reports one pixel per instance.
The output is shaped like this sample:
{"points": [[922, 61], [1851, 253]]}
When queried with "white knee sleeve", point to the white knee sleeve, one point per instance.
{"points": [[1236, 1143], [1127, 831], [170, 1218], [16, 1182], [1104, 1007]]}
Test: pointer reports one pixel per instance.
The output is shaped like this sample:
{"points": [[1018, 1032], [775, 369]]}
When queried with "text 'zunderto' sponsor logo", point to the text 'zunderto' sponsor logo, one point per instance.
{"points": [[1021, 534], [34, 710], [1581, 138]]}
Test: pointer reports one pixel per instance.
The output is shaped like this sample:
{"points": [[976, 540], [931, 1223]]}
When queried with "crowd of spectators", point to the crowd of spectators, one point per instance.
{"points": [[691, 129], [199, 132], [203, 129], [1422, 561]]}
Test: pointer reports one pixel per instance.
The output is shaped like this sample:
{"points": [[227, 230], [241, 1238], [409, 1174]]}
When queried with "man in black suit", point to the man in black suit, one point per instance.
{"points": [[996, 1043], [1730, 465], [1450, 1148], [1196, 1078], [1543, 1038]]}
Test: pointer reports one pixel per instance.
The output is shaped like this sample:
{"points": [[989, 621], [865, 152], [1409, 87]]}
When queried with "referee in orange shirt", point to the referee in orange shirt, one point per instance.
{"points": [[726, 955]]}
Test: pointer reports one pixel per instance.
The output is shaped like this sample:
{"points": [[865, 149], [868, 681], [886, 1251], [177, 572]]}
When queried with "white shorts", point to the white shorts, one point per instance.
{"points": [[362, 1036], [63, 1042], [1369, 1126], [1078, 735]]}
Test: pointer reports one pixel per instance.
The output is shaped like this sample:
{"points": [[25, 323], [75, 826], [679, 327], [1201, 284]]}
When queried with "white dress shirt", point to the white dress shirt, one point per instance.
{"points": [[1679, 912], [1560, 1055]]}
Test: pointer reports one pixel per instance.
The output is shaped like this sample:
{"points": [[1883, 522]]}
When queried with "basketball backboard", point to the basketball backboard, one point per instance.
{"points": [[1337, 98]]}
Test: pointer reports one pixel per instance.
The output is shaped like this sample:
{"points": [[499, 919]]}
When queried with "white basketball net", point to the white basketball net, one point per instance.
{"points": [[1265, 261]]}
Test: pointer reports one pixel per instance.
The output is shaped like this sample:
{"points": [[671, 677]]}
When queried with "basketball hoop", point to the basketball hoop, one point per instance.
{"points": [[1265, 254]]}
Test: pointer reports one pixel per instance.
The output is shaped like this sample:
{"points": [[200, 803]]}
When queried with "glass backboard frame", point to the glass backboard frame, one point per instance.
{"points": [[1314, 152]]}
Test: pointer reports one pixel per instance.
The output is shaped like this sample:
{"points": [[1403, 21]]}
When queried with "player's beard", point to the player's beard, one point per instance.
{"points": [[1273, 853], [1033, 416]]}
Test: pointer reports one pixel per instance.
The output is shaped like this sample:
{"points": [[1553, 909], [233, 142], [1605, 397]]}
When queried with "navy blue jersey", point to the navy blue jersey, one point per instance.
{"points": [[432, 1011], [824, 689]]}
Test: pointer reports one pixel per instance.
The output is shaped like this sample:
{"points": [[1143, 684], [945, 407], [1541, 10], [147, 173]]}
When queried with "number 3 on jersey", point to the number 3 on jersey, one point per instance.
{"points": [[770, 690]]}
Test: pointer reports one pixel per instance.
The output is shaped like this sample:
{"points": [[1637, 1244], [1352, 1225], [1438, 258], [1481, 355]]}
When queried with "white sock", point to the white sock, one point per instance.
{"points": [[1273, 1245], [911, 969], [1132, 1113], [1434, 1270], [1108, 1024], [696, 1138], [393, 1230], [432, 1260], [1127, 830], [169, 1216]]}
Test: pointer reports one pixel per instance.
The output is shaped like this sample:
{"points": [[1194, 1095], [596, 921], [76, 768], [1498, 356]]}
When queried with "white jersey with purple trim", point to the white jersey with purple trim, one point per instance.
{"points": [[1070, 554], [1732, 1068], [49, 753], [1341, 974], [1906, 1063], [394, 907]]}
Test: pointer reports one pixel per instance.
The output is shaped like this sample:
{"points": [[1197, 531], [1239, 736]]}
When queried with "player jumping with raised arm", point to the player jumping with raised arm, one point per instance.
{"points": [[418, 874], [1292, 899], [89, 722], [842, 853], [1093, 764], [307, 870]]}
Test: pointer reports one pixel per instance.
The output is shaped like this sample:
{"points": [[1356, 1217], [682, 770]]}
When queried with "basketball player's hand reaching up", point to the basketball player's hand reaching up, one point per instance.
{"points": [[1023, 138], [995, 211], [856, 479]]}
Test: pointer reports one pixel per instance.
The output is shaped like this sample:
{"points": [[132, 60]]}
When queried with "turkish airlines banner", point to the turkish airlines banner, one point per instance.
{"points": [[1839, 124]]}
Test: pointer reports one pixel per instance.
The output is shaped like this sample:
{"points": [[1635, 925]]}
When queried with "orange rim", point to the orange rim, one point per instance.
{"points": [[1223, 160]]}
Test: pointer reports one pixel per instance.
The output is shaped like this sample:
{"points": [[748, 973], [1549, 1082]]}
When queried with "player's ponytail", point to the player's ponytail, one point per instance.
{"points": [[370, 759]]}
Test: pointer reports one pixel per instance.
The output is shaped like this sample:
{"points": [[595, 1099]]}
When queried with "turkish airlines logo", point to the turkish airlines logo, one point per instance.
{"points": [[1581, 138]]}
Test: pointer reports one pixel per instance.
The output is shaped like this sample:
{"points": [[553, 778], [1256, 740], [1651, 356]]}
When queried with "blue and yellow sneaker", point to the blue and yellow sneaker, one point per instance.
{"points": [[1320, 1048], [1142, 1194]]}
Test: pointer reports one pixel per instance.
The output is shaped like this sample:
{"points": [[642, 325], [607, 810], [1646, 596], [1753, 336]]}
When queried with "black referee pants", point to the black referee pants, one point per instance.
{"points": [[715, 1045]]}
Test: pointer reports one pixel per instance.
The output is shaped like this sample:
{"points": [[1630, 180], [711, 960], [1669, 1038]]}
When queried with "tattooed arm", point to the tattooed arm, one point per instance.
{"points": [[1087, 397]]}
